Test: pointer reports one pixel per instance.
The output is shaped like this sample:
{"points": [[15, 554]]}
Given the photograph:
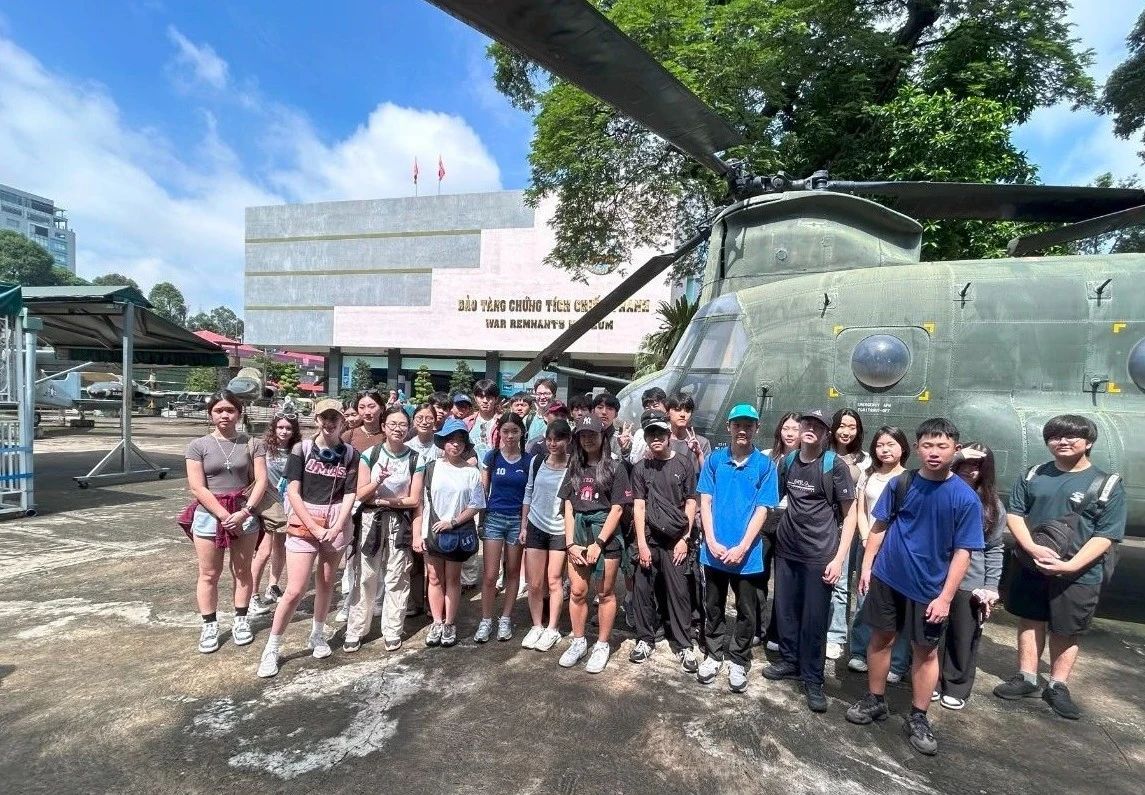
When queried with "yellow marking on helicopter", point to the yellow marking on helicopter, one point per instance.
{"points": [[925, 396], [1113, 388], [832, 392], [930, 327], [838, 330], [1118, 326]]}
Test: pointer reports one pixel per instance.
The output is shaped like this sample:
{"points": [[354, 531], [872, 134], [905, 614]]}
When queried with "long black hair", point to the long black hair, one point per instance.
{"points": [[603, 471], [896, 433], [777, 449], [986, 486], [856, 444]]}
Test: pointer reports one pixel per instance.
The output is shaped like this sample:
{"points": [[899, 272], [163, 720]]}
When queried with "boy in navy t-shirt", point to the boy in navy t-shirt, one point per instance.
{"points": [[916, 557]]}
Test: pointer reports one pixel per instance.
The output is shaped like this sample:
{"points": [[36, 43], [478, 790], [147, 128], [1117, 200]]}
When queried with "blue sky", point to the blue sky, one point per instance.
{"points": [[156, 123]]}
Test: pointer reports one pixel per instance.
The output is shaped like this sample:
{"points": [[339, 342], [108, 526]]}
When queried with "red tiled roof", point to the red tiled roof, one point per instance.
{"points": [[250, 352]]}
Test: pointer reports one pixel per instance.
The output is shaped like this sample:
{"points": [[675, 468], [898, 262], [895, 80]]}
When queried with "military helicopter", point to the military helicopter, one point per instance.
{"points": [[814, 295]]}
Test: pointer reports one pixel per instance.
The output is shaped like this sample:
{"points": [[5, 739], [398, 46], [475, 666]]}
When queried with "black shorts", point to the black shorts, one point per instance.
{"points": [[1066, 606], [887, 610], [536, 538]]}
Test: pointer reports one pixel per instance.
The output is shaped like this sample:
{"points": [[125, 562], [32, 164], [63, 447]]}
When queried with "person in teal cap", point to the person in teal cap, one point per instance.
{"points": [[738, 485]]}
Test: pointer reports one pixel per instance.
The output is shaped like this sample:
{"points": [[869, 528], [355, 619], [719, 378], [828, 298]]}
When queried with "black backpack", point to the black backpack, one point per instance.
{"points": [[1061, 534]]}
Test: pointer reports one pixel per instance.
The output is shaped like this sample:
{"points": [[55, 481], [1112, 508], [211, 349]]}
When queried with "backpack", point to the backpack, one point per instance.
{"points": [[376, 453], [1060, 534], [901, 487], [347, 454], [828, 481]]}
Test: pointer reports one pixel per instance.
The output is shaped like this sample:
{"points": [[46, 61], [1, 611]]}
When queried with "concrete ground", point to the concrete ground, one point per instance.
{"points": [[102, 689]]}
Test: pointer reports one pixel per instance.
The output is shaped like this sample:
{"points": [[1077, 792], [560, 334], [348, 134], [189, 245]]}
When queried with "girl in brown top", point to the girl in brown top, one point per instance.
{"points": [[220, 466]]}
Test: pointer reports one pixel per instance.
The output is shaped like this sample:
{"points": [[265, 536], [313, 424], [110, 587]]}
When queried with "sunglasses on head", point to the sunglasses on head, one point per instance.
{"points": [[285, 415]]}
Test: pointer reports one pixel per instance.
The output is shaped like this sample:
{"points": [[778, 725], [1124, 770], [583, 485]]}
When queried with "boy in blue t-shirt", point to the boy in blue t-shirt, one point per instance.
{"points": [[737, 487], [916, 557]]}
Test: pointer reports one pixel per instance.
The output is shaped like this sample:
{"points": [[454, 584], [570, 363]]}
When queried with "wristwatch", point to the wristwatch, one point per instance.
{"points": [[599, 542]]}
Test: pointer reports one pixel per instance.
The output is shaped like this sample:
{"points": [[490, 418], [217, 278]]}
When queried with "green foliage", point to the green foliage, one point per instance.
{"points": [[62, 277], [220, 320], [361, 378], [422, 385], [267, 364], [1124, 94], [462, 379], [288, 379], [202, 379], [655, 348], [1128, 240], [24, 262], [169, 302], [810, 84], [115, 280]]}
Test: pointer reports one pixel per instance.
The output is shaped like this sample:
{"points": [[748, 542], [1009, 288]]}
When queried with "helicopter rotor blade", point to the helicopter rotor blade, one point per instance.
{"points": [[573, 40], [997, 202], [605, 306], [1031, 244]]}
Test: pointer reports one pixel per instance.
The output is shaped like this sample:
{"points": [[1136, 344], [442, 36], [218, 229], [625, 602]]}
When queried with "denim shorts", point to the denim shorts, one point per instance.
{"points": [[204, 525], [502, 527]]}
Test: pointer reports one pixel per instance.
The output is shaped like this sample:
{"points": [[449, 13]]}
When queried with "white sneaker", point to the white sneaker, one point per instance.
{"points": [[259, 606], [320, 646], [599, 657], [343, 614], [893, 678], [504, 628], [772, 646], [573, 653], [433, 637], [857, 664], [240, 631], [484, 630], [834, 650], [268, 665], [737, 678], [532, 636], [708, 671], [209, 637], [548, 639]]}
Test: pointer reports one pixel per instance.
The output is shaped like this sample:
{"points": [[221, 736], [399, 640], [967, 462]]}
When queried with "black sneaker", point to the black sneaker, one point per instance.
{"points": [[1057, 696], [868, 709], [917, 731], [816, 700], [1016, 687], [781, 669], [641, 652]]}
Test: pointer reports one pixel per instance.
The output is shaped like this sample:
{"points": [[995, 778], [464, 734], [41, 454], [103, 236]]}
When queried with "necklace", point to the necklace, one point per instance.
{"points": [[226, 458], [369, 435]]}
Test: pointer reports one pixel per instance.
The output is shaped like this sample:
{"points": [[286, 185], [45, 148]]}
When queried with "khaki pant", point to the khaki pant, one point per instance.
{"points": [[393, 566]]}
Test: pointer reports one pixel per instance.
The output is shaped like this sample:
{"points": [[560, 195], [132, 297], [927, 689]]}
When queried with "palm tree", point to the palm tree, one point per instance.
{"points": [[655, 348]]}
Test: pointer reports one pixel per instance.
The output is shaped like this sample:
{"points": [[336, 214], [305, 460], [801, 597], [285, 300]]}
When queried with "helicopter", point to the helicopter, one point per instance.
{"points": [[814, 294]]}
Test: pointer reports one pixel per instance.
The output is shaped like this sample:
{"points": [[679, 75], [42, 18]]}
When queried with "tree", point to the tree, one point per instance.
{"points": [[289, 379], [227, 322], [1127, 240], [1124, 94], [268, 365], [62, 277], [24, 262], [656, 347], [361, 378], [809, 84], [169, 302], [115, 280], [462, 379], [422, 385], [203, 379]]}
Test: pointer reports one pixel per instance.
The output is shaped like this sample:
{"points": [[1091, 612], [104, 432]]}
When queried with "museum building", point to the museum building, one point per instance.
{"points": [[431, 280]]}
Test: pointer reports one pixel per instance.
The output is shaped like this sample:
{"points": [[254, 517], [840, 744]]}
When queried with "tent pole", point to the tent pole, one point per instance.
{"points": [[29, 326], [128, 386]]}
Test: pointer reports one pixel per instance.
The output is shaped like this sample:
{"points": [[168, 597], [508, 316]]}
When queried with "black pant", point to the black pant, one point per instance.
{"points": [[803, 609], [666, 584], [747, 588], [959, 651]]}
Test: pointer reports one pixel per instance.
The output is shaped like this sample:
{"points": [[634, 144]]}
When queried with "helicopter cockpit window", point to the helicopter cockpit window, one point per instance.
{"points": [[709, 391], [881, 360], [1137, 364], [715, 336]]}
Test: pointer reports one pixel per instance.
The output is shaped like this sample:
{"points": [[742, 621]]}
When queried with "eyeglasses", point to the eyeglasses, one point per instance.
{"points": [[1066, 439], [397, 426], [285, 415]]}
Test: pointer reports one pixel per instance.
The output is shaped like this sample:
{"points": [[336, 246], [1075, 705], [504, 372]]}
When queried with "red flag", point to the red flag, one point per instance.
{"points": [[440, 169], [415, 171]]}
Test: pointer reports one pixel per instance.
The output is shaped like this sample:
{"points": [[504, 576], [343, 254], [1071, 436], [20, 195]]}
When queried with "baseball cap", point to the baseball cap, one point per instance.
{"points": [[451, 426], [328, 404], [743, 411], [461, 397], [589, 422], [821, 414], [556, 407], [655, 419]]}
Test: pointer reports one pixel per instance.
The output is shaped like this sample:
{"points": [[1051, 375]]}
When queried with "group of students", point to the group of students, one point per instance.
{"points": [[577, 500]]}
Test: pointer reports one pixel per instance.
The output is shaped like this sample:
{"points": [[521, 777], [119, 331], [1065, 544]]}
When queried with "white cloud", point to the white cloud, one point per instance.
{"points": [[142, 207], [198, 62]]}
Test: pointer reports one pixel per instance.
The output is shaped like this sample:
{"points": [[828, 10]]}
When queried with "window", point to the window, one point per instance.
{"points": [[41, 231], [880, 361], [42, 207], [1137, 364]]}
